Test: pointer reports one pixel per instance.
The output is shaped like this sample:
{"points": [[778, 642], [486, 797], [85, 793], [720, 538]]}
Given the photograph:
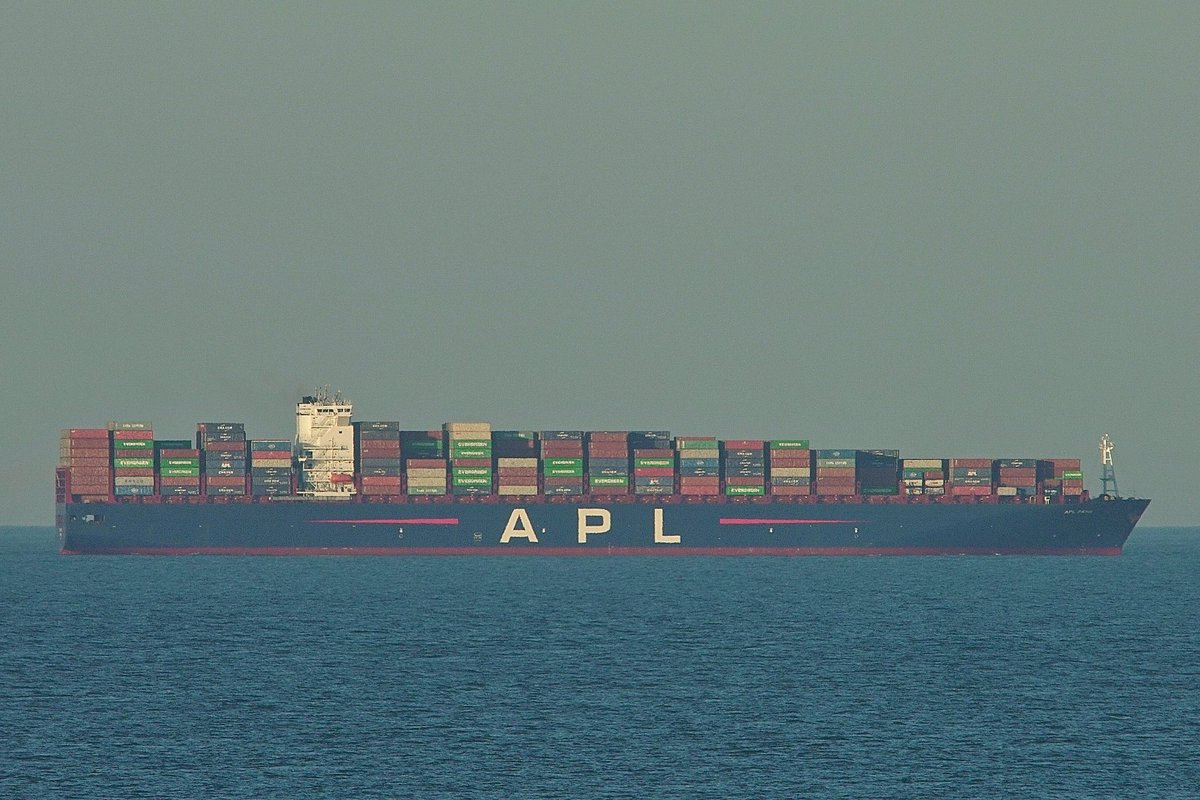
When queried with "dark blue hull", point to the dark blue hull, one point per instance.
{"points": [[598, 528]]}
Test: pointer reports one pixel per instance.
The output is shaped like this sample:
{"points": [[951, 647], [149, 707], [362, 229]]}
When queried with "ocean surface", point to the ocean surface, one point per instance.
{"points": [[705, 677]]}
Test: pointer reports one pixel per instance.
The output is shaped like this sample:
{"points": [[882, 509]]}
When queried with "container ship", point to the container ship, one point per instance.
{"points": [[342, 486]]}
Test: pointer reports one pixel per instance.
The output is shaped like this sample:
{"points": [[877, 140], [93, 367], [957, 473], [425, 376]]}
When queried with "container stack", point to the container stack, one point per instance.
{"points": [[1061, 476], [1015, 477], [836, 472], [744, 466], [87, 456], [471, 463], [561, 455], [271, 467], [223, 445], [377, 458], [608, 462], [699, 465], [516, 462], [177, 465], [790, 467], [925, 476], [653, 470], [133, 458], [970, 477], [877, 472]]}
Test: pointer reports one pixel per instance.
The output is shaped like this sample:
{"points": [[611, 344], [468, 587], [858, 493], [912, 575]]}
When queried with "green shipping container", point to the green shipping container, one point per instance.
{"points": [[133, 444], [179, 462], [745, 490], [133, 463], [1072, 475], [696, 444], [466, 472], [470, 480], [180, 472], [654, 463], [564, 462], [472, 453], [564, 472], [789, 444], [608, 480]]}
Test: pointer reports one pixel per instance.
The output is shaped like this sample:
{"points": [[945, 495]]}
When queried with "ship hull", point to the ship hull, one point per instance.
{"points": [[1095, 527]]}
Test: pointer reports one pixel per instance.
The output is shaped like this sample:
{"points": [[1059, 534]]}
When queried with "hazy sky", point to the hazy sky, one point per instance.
{"points": [[959, 229]]}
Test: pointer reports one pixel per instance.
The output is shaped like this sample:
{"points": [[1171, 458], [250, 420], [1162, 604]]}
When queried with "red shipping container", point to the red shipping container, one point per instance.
{"points": [[691, 480], [426, 463], [518, 472], [557, 447], [85, 433], [744, 444], [89, 488], [700, 490], [133, 435], [608, 490], [653, 472], [85, 452], [978, 491], [835, 472], [471, 462], [1018, 472], [90, 472], [608, 436], [376, 480], [178, 453], [77, 461], [608, 451], [977, 463], [742, 480], [780, 461], [641, 453], [223, 480], [794, 490]]}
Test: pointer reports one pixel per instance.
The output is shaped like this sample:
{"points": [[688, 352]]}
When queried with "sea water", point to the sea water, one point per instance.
{"points": [[694, 677]]}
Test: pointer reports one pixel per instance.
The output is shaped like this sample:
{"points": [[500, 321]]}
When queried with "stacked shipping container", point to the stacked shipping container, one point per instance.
{"points": [[561, 454], [744, 467], [471, 464], [653, 462], [378, 458], [698, 460], [132, 458], [923, 476], [223, 448], [970, 477], [86, 455], [271, 467], [836, 472], [608, 462], [790, 467], [177, 467], [516, 462]]}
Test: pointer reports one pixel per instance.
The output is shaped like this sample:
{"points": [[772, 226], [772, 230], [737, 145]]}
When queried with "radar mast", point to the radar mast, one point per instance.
{"points": [[1109, 474]]}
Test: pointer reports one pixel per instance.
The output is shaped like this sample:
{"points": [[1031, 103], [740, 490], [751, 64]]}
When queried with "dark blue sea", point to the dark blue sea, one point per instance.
{"points": [[346, 677]]}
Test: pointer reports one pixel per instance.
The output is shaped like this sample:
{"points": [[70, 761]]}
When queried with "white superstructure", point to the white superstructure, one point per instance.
{"points": [[325, 445]]}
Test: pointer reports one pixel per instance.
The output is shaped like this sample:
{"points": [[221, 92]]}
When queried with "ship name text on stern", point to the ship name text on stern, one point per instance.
{"points": [[590, 522]]}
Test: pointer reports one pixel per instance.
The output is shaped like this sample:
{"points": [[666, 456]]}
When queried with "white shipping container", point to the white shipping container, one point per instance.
{"points": [[793, 472], [503, 489], [516, 462], [427, 472], [922, 463], [121, 481]]}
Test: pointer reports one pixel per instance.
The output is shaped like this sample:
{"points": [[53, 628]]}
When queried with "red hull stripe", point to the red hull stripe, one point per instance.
{"points": [[414, 521], [537, 550], [751, 521]]}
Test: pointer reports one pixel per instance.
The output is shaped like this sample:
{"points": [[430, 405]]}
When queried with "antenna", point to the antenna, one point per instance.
{"points": [[1109, 474]]}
